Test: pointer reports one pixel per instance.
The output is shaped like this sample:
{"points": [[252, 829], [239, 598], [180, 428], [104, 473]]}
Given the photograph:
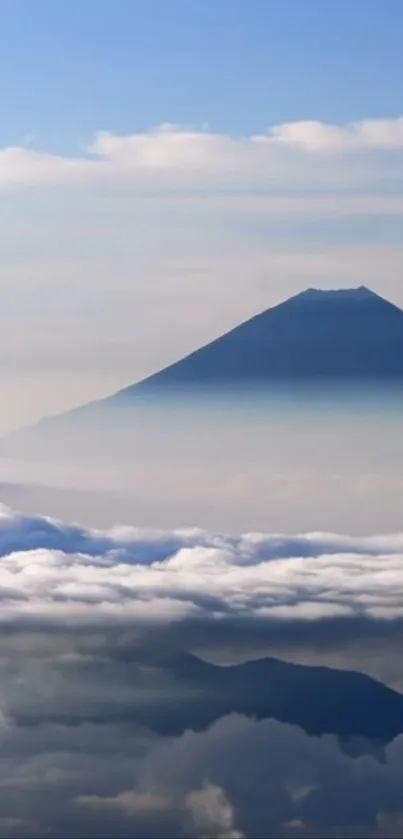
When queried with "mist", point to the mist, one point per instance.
{"points": [[286, 459]]}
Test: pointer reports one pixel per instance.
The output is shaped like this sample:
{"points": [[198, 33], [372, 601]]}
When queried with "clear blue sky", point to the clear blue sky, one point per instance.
{"points": [[69, 67]]}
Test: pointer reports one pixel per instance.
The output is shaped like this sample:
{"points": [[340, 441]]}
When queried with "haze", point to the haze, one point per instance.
{"points": [[288, 461]]}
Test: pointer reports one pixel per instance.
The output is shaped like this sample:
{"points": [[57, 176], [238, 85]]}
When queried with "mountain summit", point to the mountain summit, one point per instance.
{"points": [[317, 336], [344, 334]]}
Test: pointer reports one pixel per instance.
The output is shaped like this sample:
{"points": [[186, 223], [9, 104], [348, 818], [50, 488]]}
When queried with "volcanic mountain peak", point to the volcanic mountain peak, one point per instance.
{"points": [[330, 294], [319, 335], [336, 334], [328, 300]]}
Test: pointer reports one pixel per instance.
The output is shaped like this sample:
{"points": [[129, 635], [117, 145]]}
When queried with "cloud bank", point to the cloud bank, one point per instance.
{"points": [[86, 620], [66, 573]]}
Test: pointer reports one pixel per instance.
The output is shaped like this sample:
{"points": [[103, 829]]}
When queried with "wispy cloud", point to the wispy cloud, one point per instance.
{"points": [[175, 156]]}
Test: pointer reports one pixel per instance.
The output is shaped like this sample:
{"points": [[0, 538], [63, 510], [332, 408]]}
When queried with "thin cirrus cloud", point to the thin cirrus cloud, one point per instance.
{"points": [[175, 154]]}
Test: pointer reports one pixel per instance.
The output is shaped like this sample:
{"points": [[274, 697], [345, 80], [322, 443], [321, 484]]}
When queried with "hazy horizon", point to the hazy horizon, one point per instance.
{"points": [[315, 458]]}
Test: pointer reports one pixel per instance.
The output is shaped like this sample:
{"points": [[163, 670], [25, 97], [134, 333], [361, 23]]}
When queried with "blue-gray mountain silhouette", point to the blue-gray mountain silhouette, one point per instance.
{"points": [[346, 334], [322, 337], [319, 700]]}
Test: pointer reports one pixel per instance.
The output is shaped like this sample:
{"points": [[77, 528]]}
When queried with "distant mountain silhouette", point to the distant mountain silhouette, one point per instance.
{"points": [[351, 336], [187, 693], [346, 334], [318, 699]]}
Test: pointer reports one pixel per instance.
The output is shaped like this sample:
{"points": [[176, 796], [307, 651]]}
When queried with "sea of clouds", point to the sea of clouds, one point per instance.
{"points": [[88, 617]]}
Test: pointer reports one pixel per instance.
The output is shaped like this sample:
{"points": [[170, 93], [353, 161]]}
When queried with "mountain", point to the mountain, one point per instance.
{"points": [[320, 700], [346, 334], [180, 692], [323, 337]]}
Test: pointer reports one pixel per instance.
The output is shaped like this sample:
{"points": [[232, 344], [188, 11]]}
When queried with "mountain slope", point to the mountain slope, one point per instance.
{"points": [[345, 334], [350, 335]]}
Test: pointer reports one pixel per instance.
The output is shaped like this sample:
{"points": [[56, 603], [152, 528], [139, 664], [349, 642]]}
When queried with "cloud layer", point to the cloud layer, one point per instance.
{"points": [[51, 571], [120, 780], [173, 154], [87, 620]]}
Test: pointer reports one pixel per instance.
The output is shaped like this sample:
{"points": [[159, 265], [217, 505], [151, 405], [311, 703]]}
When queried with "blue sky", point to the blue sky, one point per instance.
{"points": [[70, 67], [126, 242]]}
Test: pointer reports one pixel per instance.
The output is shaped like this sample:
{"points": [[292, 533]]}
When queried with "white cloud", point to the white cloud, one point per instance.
{"points": [[315, 136], [175, 154], [212, 812], [69, 576], [23, 167]]}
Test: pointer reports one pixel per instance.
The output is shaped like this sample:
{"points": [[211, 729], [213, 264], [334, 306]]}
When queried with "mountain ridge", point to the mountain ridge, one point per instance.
{"points": [[320, 700]]}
